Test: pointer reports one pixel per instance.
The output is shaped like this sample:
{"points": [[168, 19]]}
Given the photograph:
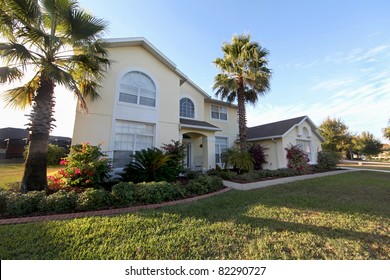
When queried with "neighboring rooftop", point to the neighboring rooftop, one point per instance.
{"points": [[277, 129]]}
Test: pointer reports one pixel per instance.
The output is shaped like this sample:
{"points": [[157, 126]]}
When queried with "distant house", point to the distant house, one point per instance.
{"points": [[13, 140], [277, 136]]}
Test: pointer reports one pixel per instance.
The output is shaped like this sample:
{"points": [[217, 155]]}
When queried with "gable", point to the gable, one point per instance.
{"points": [[280, 129]]}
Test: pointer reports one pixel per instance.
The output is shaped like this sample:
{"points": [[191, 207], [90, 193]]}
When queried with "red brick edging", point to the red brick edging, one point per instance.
{"points": [[108, 212]]}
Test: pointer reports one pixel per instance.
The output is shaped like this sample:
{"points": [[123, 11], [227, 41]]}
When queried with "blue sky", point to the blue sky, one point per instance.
{"points": [[329, 58]]}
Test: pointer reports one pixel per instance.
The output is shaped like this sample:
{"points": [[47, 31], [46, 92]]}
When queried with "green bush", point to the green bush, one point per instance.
{"points": [[249, 176], [328, 160], [123, 194], [85, 167], [61, 202], [3, 202], [242, 162], [203, 184], [150, 165], [224, 174], [157, 192], [19, 204], [93, 199], [55, 154]]}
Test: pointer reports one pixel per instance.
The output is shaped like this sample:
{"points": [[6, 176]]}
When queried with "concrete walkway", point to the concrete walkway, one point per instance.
{"points": [[262, 184]]}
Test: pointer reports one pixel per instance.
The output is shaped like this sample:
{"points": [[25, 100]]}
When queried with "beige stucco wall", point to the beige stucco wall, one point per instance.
{"points": [[274, 152], [297, 133], [108, 108], [229, 128], [186, 90]]}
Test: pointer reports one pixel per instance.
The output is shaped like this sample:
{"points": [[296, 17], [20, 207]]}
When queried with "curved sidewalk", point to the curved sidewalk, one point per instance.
{"points": [[262, 184]]}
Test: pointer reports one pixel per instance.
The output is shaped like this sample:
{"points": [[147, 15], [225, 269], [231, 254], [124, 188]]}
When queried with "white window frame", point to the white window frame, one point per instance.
{"points": [[192, 114], [219, 148], [216, 109], [140, 92], [135, 135], [306, 147]]}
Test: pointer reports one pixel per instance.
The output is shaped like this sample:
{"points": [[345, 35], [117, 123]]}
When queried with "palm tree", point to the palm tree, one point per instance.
{"points": [[61, 43], [244, 77]]}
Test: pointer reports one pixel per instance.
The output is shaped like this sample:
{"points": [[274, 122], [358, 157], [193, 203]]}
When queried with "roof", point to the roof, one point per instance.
{"points": [[278, 129], [13, 133], [198, 124], [142, 42]]}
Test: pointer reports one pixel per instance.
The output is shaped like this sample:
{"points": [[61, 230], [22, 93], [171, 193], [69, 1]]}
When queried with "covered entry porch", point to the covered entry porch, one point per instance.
{"points": [[199, 139]]}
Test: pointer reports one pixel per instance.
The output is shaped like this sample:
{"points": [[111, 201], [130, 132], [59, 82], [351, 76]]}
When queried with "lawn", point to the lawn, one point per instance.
{"points": [[13, 172], [366, 166], [345, 216]]}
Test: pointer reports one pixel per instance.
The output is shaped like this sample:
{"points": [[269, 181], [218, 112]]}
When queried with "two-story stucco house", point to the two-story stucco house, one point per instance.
{"points": [[147, 102]]}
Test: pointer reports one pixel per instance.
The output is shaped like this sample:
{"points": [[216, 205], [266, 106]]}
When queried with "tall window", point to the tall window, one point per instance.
{"points": [[187, 108], [218, 112], [137, 88], [131, 137], [306, 147], [221, 144]]}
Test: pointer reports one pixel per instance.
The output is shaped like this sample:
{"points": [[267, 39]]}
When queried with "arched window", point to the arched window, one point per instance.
{"points": [[305, 131], [187, 108], [137, 88]]}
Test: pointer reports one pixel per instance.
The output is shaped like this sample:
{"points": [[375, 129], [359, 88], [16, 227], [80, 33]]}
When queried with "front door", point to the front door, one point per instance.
{"points": [[188, 158]]}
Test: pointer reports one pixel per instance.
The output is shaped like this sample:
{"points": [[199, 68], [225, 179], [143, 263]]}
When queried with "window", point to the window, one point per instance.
{"points": [[218, 112], [187, 108], [221, 144], [137, 88], [131, 137], [306, 147]]}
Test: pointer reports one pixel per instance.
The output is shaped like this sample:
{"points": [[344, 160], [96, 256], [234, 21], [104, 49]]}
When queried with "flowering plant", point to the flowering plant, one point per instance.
{"points": [[85, 167], [298, 160]]}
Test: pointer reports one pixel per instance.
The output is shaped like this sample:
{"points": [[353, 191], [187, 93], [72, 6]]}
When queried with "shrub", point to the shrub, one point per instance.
{"points": [[298, 160], [85, 167], [223, 174], [258, 156], [3, 202], [157, 192], [150, 165], [176, 152], [93, 199], [203, 184], [61, 202], [19, 204], [328, 160], [123, 194], [243, 162], [55, 154]]}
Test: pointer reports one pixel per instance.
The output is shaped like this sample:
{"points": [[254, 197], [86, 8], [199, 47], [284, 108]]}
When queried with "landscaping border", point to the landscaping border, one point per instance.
{"points": [[285, 180], [107, 212]]}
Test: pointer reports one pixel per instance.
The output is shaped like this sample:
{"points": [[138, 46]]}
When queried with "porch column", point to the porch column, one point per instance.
{"points": [[208, 144]]}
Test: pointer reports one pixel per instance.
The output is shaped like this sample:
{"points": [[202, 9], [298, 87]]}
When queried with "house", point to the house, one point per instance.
{"points": [[277, 136], [147, 102], [13, 142]]}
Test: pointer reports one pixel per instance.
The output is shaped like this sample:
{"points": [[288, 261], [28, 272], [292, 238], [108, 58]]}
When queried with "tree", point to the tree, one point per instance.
{"points": [[387, 133], [244, 77], [366, 144], [336, 135], [61, 43]]}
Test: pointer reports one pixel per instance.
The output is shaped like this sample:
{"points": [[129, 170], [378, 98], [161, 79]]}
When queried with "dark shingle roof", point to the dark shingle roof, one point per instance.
{"points": [[13, 133], [270, 130], [200, 124]]}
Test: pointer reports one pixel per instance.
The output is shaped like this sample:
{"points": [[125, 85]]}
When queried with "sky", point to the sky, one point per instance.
{"points": [[329, 58]]}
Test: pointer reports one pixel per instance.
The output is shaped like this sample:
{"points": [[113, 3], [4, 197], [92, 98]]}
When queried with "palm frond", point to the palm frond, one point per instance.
{"points": [[15, 53], [21, 97], [10, 74]]}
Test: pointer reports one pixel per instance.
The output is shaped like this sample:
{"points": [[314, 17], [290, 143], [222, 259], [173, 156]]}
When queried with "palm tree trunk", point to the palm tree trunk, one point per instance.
{"points": [[35, 172], [241, 116]]}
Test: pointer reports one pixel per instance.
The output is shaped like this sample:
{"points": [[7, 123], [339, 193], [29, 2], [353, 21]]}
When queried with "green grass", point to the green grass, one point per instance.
{"points": [[13, 172], [346, 216]]}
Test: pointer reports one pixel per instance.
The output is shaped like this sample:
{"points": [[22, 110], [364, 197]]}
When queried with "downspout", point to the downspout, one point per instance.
{"points": [[276, 152]]}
